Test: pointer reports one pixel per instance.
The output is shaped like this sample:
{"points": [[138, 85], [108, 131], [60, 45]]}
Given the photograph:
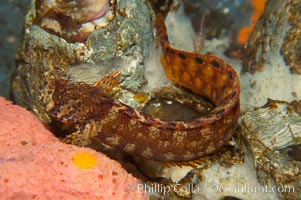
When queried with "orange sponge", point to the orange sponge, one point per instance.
{"points": [[244, 32]]}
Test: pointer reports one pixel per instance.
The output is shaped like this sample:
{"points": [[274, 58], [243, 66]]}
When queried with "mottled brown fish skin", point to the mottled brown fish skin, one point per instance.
{"points": [[120, 126], [97, 115]]}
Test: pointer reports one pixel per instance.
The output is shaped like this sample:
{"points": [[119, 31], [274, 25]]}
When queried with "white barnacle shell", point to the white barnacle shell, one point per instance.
{"points": [[273, 125]]}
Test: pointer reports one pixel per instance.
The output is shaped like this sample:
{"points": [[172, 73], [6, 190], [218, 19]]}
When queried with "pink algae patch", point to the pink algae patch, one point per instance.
{"points": [[36, 165]]}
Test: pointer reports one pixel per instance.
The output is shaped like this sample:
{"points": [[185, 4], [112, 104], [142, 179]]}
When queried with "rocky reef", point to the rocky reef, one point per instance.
{"points": [[44, 56], [95, 76]]}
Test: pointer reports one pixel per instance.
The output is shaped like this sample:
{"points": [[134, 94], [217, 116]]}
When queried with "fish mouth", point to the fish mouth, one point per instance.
{"points": [[73, 22], [99, 13]]}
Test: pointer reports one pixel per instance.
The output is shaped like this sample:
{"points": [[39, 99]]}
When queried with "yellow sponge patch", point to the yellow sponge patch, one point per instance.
{"points": [[84, 160]]}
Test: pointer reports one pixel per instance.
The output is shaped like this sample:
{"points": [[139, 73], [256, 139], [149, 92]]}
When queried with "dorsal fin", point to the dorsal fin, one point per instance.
{"points": [[193, 163], [108, 82]]}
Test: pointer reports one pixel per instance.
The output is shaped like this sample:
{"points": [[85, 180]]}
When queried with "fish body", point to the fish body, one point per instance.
{"points": [[95, 114]]}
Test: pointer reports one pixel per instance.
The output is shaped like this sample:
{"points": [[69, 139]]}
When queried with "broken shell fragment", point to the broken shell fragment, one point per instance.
{"points": [[175, 104]]}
